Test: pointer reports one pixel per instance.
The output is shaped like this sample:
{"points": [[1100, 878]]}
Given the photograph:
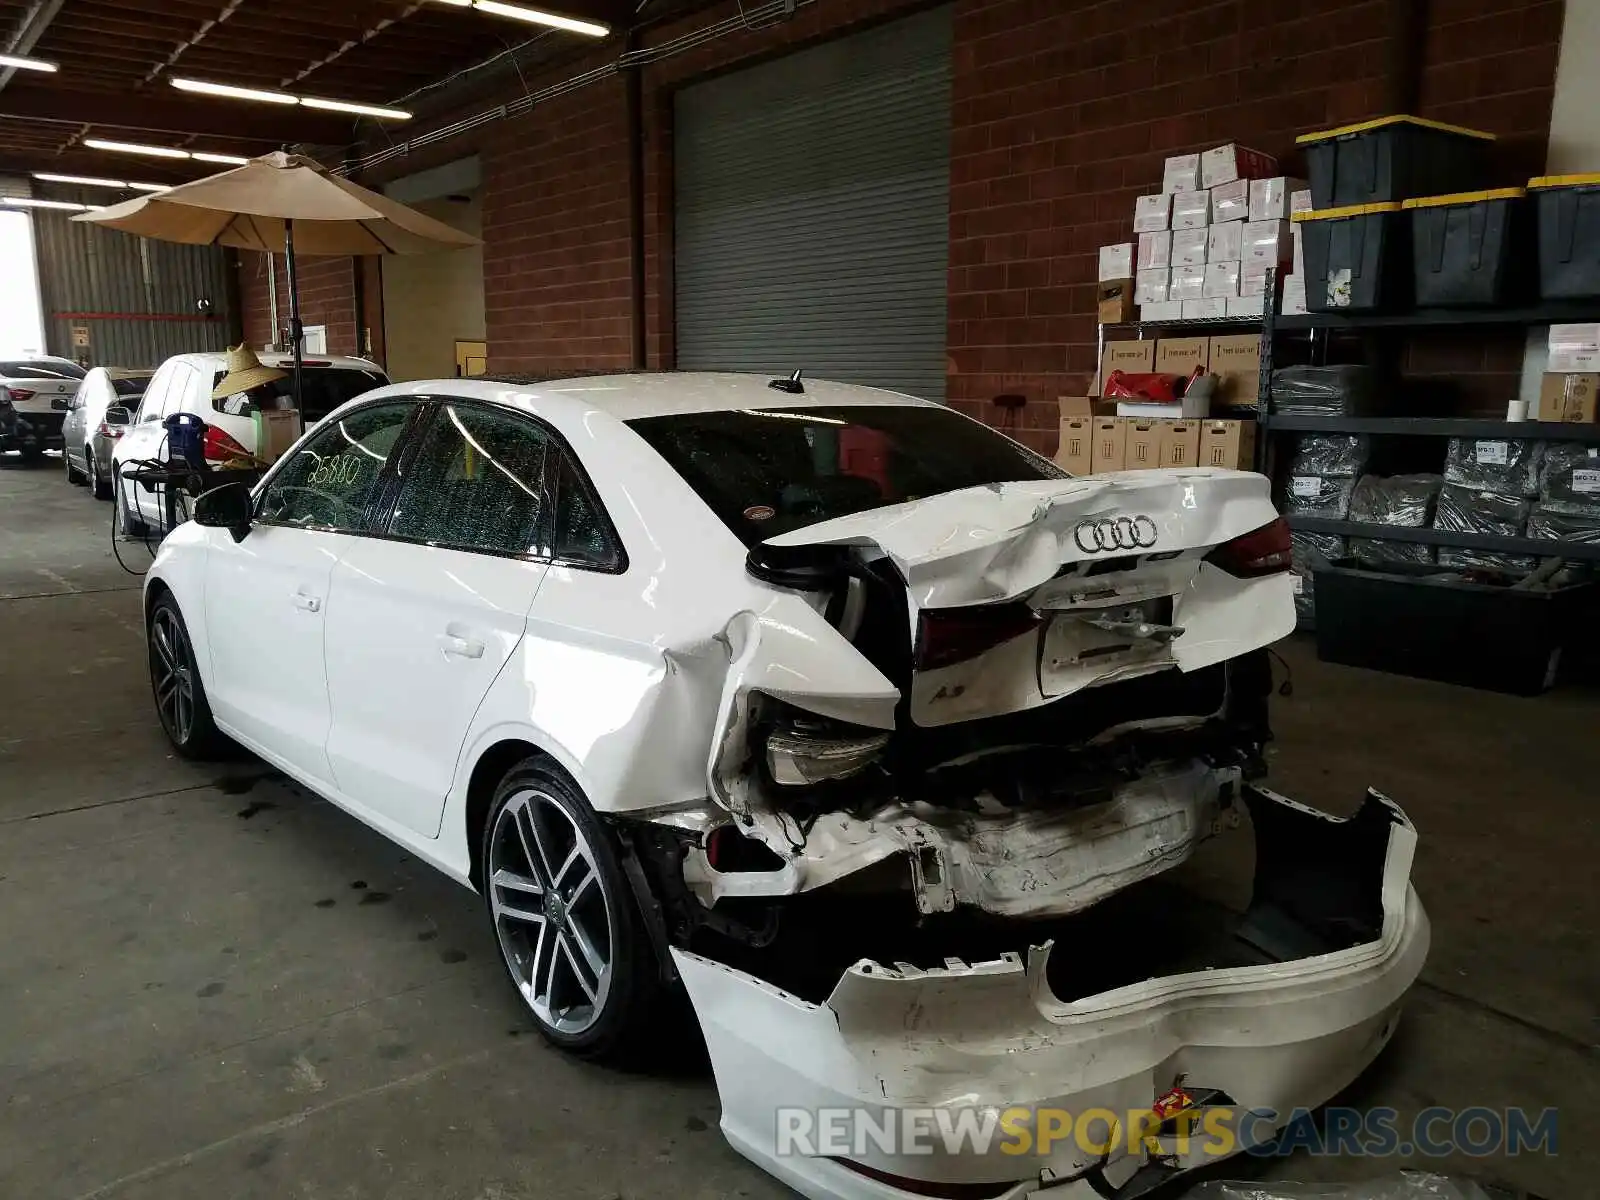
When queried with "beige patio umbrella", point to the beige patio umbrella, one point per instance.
{"points": [[282, 202]]}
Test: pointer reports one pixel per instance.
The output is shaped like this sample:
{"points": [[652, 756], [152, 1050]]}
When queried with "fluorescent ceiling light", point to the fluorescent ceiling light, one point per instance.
{"points": [[244, 93], [135, 148], [228, 160], [150, 187], [95, 181], [66, 205], [236, 93], [535, 16], [369, 110], [27, 64]]}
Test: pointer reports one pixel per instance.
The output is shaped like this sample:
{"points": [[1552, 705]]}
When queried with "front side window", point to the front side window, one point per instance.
{"points": [[477, 483], [771, 470], [331, 481]]}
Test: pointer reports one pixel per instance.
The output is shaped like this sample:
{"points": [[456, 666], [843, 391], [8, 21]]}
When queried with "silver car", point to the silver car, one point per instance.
{"points": [[96, 418]]}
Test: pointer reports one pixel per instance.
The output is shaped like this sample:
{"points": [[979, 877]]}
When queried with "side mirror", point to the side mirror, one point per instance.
{"points": [[229, 507], [117, 415]]}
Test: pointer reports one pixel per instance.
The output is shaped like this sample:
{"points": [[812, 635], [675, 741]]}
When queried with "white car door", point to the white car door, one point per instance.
{"points": [[268, 599], [426, 616]]}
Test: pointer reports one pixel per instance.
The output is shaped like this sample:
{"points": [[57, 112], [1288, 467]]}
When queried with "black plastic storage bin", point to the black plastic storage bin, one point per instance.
{"points": [[1356, 259], [1411, 620], [1393, 159], [1569, 235], [1469, 248]]}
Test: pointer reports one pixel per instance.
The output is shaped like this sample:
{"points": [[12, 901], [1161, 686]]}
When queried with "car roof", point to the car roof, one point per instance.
{"points": [[217, 360], [629, 397]]}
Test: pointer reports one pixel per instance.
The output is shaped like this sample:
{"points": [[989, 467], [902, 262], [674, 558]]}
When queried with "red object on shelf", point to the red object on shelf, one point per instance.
{"points": [[1160, 389]]}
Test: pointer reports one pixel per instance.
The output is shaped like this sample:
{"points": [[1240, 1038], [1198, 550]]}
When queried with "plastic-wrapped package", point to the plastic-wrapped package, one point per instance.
{"points": [[1307, 551], [1318, 496], [1377, 551], [1507, 466], [1336, 454], [1323, 391], [1396, 500], [1467, 510], [1547, 522], [1569, 478], [1403, 1185]]}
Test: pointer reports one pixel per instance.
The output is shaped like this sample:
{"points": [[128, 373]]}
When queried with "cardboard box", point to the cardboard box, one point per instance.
{"points": [[1269, 198], [1155, 250], [1080, 406], [1201, 310], [1167, 310], [1072, 453], [1181, 173], [1116, 301], [1235, 359], [1180, 443], [1267, 243], [1294, 297], [1180, 356], [1187, 283], [1574, 348], [1109, 450], [1189, 247], [1225, 164], [1116, 262], [1230, 202], [1142, 443], [1252, 283], [1230, 444], [1191, 210], [1136, 358], [1569, 398], [1152, 214], [1150, 287], [1298, 266], [1225, 242], [1300, 201], [1222, 281], [1247, 306]]}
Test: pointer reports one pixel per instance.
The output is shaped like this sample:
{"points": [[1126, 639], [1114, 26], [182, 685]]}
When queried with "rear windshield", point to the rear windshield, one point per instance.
{"points": [[41, 370], [324, 389], [768, 471], [133, 387]]}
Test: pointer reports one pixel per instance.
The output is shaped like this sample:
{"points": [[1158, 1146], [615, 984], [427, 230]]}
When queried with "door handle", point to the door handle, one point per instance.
{"points": [[460, 647], [309, 603]]}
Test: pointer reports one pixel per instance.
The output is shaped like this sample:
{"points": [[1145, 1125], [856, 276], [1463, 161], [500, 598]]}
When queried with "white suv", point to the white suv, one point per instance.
{"points": [[184, 383]]}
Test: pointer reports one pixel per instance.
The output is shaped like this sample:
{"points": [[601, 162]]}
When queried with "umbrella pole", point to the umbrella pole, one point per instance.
{"points": [[297, 331]]}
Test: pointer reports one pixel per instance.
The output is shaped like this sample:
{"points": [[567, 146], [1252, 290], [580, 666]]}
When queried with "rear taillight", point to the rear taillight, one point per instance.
{"points": [[1263, 551], [947, 636], [108, 431], [219, 447], [803, 748], [21, 394]]}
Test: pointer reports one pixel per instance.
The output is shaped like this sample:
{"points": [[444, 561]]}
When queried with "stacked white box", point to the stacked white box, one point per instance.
{"points": [[1155, 250], [1152, 214], [1191, 210], [1167, 310], [1221, 281], [1205, 309], [1116, 262], [1181, 173], [1189, 247], [1225, 242], [1150, 287], [1188, 283], [1230, 202], [1270, 198]]}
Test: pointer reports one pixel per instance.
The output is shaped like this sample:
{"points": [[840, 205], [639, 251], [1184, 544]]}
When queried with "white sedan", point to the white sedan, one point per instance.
{"points": [[836, 709]]}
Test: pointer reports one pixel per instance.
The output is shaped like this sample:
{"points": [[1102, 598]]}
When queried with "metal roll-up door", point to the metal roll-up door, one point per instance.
{"points": [[812, 218]]}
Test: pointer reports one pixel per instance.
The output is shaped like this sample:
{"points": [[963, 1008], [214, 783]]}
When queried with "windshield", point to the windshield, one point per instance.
{"points": [[325, 388], [768, 471]]}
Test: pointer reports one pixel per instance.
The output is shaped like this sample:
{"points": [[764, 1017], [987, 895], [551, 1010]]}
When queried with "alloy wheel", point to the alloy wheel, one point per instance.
{"points": [[551, 912], [172, 674]]}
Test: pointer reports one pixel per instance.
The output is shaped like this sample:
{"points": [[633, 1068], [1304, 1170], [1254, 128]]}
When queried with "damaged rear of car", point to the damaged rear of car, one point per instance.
{"points": [[958, 763]]}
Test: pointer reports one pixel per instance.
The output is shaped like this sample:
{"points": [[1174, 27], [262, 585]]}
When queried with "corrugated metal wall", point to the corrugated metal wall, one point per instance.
{"points": [[88, 269]]}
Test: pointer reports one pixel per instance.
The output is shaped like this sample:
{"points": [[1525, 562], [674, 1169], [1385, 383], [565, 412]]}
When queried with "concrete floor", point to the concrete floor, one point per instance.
{"points": [[215, 985]]}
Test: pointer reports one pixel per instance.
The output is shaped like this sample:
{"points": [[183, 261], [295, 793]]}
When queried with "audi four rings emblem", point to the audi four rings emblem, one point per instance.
{"points": [[1115, 533]]}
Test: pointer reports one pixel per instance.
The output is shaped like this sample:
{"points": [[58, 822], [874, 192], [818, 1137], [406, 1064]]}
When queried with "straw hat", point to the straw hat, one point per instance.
{"points": [[245, 371]]}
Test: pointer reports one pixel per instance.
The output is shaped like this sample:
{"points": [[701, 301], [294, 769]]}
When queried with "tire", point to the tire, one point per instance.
{"points": [[74, 476], [128, 521], [175, 683], [97, 485], [601, 1012]]}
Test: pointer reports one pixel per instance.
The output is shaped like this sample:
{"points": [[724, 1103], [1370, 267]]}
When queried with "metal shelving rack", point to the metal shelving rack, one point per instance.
{"points": [[1268, 423]]}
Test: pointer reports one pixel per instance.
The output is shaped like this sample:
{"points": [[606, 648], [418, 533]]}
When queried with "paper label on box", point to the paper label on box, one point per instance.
{"points": [[1297, 584], [1586, 481], [1339, 288], [1495, 453], [1306, 485], [1300, 201]]}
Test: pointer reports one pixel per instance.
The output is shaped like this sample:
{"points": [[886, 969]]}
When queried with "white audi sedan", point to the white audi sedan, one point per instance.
{"points": [[845, 715]]}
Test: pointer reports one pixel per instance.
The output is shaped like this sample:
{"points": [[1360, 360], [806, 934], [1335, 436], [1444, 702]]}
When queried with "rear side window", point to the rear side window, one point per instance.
{"points": [[477, 483], [768, 471], [323, 390], [583, 534]]}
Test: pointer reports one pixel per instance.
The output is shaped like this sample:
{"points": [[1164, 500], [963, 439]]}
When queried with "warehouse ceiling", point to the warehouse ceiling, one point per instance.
{"points": [[117, 59]]}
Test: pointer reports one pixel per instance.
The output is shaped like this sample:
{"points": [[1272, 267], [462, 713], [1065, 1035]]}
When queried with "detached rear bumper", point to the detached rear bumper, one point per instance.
{"points": [[987, 1039]]}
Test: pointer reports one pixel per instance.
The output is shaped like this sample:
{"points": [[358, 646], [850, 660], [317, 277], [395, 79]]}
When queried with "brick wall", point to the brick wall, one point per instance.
{"points": [[327, 297], [1062, 113]]}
